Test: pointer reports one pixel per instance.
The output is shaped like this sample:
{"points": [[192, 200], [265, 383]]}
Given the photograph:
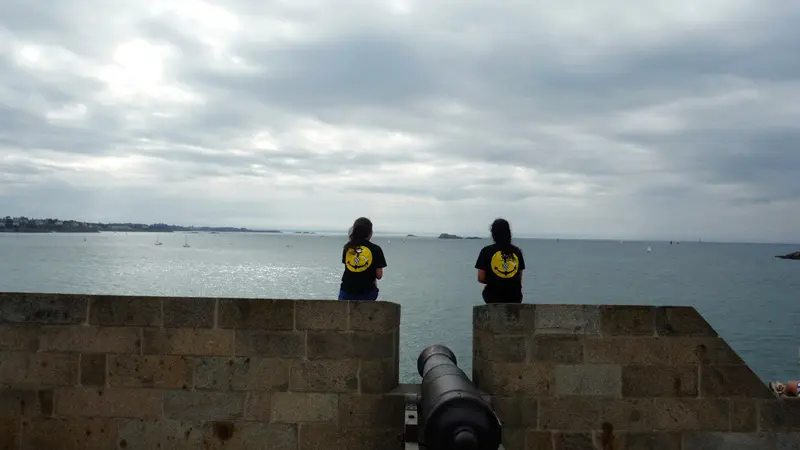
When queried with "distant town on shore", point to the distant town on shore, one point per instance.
{"points": [[10, 224]]}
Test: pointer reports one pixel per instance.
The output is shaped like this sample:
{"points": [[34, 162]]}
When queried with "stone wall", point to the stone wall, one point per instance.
{"points": [[102, 372], [575, 377]]}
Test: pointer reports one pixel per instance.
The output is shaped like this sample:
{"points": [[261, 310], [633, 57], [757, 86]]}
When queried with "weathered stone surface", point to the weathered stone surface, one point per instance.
{"points": [[788, 441], [732, 381], [10, 434], [378, 376], [199, 405], [28, 403], [350, 345], [659, 381], [321, 315], [648, 441], [38, 369], [537, 440], [242, 374], [315, 436], [166, 434], [93, 369], [555, 348], [493, 347], [108, 402], [187, 341], [367, 410], [125, 311], [258, 406], [256, 314], [90, 339], [709, 350], [573, 441], [72, 433], [189, 312], [781, 415], [744, 416], [516, 411], [619, 320], [324, 376], [283, 344], [249, 436], [568, 319], [514, 438], [589, 413], [294, 407], [374, 316], [682, 321], [673, 414], [627, 350], [163, 372], [43, 308], [728, 441], [504, 318], [21, 338], [595, 380], [513, 378]]}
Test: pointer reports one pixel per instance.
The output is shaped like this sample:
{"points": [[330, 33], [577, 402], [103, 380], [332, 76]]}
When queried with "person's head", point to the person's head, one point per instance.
{"points": [[501, 232], [361, 230]]}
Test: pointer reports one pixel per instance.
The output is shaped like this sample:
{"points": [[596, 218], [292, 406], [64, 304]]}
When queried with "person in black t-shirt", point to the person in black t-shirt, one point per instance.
{"points": [[363, 264], [500, 267]]}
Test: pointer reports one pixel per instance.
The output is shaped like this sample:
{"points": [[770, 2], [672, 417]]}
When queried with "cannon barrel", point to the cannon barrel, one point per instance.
{"points": [[453, 413]]}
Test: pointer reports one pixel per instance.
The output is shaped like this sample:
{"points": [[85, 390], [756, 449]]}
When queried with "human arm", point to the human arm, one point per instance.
{"points": [[482, 264], [380, 263]]}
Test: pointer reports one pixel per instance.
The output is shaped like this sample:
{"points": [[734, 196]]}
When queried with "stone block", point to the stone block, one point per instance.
{"points": [[188, 341], [732, 381], [350, 345], [242, 374], [256, 314], [514, 378], [38, 369], [555, 349], [316, 436], [709, 350], [627, 351], [295, 407], [258, 406], [514, 438], [504, 318], [516, 411], [367, 410], [52, 309], [688, 414], [781, 415], [627, 320], [152, 371], [568, 319], [374, 316], [378, 376], [594, 380], [648, 441], [500, 348], [537, 440], [324, 375], [788, 441], [321, 315], [189, 312], [10, 434], [279, 344], [22, 338], [249, 436], [110, 310], [728, 441], [93, 369], [744, 416], [573, 441], [83, 339], [70, 433], [682, 321], [137, 434], [203, 406], [589, 413], [28, 403], [108, 402], [659, 381]]}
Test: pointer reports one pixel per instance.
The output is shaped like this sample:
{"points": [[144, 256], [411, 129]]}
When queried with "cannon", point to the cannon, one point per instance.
{"points": [[453, 414]]}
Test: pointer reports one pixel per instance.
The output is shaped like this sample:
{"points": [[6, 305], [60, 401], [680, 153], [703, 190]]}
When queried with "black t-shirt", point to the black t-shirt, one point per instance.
{"points": [[361, 261], [503, 266]]}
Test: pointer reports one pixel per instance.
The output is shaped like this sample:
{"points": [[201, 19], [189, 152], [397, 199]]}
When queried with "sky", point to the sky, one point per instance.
{"points": [[673, 119]]}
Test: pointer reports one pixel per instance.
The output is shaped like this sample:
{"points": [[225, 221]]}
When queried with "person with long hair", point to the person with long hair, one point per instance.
{"points": [[363, 264], [500, 266]]}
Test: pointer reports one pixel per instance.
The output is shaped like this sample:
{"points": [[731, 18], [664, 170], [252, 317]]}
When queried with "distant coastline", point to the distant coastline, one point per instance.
{"points": [[27, 225]]}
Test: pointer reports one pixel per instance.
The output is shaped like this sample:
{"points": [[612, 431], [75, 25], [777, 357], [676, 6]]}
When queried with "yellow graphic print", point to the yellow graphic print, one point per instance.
{"points": [[358, 259], [505, 265]]}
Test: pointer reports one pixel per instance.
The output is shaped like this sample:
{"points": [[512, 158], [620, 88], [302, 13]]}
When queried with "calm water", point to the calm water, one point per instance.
{"points": [[751, 298]]}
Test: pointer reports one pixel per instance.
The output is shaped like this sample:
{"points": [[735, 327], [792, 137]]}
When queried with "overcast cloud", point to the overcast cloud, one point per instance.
{"points": [[671, 119]]}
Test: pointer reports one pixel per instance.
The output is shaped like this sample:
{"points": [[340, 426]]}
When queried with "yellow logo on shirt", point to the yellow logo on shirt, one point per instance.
{"points": [[358, 259], [505, 264]]}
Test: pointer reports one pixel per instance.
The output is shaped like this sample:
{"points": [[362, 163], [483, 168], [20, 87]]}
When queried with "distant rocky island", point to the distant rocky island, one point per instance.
{"points": [[28, 225], [793, 256], [453, 236]]}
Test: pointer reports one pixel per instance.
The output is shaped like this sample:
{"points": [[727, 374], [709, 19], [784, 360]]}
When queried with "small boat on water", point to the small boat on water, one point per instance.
{"points": [[158, 242], [186, 242]]}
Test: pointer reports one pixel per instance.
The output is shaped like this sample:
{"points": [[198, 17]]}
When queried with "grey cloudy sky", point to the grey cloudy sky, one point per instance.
{"points": [[668, 119]]}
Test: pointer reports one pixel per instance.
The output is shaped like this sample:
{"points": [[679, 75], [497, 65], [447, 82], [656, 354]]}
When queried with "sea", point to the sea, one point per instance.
{"points": [[750, 297]]}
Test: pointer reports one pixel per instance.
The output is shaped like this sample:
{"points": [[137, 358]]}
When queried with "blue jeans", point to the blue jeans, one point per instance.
{"points": [[366, 296]]}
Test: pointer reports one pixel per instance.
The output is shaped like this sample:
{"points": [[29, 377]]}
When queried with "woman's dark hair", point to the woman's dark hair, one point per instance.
{"points": [[501, 232], [360, 231]]}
